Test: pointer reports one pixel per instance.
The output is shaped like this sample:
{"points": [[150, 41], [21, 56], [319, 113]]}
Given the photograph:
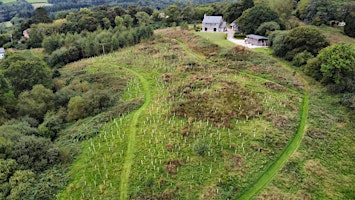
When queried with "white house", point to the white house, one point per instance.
{"points": [[214, 23], [2, 53]]}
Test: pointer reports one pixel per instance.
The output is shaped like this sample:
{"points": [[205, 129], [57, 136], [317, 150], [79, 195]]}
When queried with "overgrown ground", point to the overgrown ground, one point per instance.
{"points": [[214, 120]]}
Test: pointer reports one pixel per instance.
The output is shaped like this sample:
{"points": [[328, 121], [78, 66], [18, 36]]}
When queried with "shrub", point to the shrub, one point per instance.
{"points": [[36, 102], [349, 28], [77, 108], [266, 27], [301, 58]]}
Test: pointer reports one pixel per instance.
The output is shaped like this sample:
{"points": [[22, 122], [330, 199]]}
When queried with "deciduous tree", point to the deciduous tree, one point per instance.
{"points": [[252, 18]]}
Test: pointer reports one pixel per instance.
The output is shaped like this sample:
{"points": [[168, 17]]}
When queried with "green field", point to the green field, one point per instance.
{"points": [[189, 152], [214, 123], [30, 1]]}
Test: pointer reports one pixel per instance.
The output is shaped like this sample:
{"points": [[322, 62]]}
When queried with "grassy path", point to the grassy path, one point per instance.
{"points": [[132, 136], [292, 146]]}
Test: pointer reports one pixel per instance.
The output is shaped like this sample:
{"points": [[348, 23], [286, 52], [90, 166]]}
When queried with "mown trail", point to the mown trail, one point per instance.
{"points": [[124, 179], [291, 147]]}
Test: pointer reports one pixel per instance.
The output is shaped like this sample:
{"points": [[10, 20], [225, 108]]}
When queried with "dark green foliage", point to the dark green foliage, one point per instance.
{"points": [[4, 38], [313, 68], [36, 102], [41, 16], [7, 99], [267, 27], [172, 14], [7, 168], [304, 38], [232, 12], [322, 11], [337, 67], [252, 18], [35, 153], [63, 95], [48, 183], [52, 43], [301, 58], [77, 108], [86, 44], [52, 124], [97, 100], [16, 126], [20, 8], [24, 71], [20, 183], [349, 28], [276, 41]]}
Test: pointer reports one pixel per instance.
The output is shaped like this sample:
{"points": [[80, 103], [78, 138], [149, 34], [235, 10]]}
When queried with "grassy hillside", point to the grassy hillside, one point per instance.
{"points": [[213, 121], [216, 123]]}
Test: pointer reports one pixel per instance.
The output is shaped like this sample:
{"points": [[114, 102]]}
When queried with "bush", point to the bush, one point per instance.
{"points": [[348, 100], [349, 28], [239, 36], [334, 67], [252, 18], [312, 69], [276, 41], [36, 102], [302, 58], [266, 27], [77, 108]]}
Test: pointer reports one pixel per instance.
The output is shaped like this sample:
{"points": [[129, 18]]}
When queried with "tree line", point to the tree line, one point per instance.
{"points": [[36, 104]]}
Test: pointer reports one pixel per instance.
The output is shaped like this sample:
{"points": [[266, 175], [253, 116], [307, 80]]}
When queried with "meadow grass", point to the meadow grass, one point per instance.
{"points": [[165, 161], [217, 38]]}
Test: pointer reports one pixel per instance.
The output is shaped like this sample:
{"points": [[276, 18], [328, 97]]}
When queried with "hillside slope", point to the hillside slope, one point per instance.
{"points": [[217, 119]]}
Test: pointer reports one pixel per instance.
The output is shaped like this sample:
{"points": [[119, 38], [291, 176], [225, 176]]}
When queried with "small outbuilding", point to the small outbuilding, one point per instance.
{"points": [[256, 40], [2, 53], [214, 23]]}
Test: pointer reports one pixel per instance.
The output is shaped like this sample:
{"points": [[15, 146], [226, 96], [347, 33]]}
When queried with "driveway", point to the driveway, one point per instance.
{"points": [[240, 42]]}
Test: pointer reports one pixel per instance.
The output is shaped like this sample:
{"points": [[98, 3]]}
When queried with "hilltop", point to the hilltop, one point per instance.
{"points": [[213, 122]]}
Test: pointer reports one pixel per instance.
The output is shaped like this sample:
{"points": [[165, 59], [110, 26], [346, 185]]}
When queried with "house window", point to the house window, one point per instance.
{"points": [[205, 29], [214, 29]]}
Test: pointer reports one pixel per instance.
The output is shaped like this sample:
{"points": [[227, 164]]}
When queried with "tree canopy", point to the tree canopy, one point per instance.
{"points": [[336, 65], [24, 71], [298, 40], [252, 18], [349, 28]]}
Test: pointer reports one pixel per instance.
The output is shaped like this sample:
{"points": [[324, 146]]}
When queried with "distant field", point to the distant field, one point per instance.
{"points": [[37, 5], [7, 24], [30, 1]]}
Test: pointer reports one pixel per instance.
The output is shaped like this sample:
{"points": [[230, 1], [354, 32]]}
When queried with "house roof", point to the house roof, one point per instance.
{"points": [[212, 19], [258, 37], [2, 50], [223, 25]]}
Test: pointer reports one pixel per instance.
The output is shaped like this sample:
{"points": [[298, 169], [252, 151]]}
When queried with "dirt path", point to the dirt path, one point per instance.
{"points": [[291, 147], [124, 180]]}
